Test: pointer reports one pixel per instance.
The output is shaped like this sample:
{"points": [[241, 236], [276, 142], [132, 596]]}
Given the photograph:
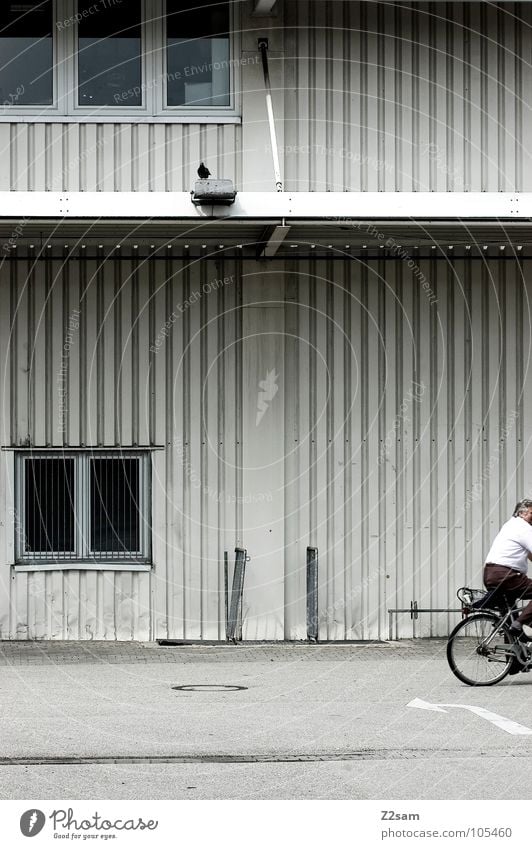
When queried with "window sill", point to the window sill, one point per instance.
{"points": [[120, 119], [82, 567]]}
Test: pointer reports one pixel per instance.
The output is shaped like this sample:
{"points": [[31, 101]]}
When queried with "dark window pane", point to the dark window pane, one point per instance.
{"points": [[109, 53], [115, 519], [197, 48], [26, 54], [49, 505]]}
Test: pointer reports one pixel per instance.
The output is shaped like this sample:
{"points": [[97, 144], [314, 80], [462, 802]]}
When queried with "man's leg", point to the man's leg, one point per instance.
{"points": [[525, 617], [514, 586], [523, 589]]}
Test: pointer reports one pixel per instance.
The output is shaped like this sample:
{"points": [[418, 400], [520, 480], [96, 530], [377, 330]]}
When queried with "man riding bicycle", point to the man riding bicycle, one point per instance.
{"points": [[506, 566]]}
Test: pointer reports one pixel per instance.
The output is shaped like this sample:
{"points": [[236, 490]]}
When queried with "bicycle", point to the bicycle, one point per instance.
{"points": [[481, 649]]}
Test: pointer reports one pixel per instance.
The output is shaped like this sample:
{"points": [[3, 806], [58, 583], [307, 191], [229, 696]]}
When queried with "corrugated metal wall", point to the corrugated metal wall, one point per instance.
{"points": [[343, 404], [420, 448], [375, 97], [119, 392], [387, 97], [121, 157]]}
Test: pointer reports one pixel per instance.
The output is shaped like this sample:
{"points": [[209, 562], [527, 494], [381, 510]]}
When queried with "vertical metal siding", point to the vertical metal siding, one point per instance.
{"points": [[121, 157], [121, 392], [404, 432], [439, 388], [370, 97], [427, 98]]}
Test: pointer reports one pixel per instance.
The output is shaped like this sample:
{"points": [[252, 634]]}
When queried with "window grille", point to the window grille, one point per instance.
{"points": [[83, 507]]}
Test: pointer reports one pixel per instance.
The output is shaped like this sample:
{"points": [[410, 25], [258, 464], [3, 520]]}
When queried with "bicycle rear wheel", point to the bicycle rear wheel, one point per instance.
{"points": [[473, 662]]}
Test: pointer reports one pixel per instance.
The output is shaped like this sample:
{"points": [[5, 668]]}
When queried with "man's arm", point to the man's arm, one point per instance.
{"points": [[524, 536]]}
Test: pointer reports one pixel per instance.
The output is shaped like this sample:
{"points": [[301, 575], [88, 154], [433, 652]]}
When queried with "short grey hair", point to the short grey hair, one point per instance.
{"points": [[522, 505]]}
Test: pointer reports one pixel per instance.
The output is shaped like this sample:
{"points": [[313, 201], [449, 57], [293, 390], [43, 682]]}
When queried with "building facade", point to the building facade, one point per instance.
{"points": [[343, 365]]}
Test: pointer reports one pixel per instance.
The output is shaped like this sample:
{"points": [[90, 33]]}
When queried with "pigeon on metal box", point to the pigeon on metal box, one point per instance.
{"points": [[203, 172]]}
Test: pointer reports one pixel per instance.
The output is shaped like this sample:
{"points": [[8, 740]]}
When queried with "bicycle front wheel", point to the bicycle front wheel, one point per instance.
{"points": [[477, 650]]}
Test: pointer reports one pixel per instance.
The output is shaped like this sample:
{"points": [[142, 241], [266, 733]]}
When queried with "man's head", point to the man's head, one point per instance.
{"points": [[523, 509]]}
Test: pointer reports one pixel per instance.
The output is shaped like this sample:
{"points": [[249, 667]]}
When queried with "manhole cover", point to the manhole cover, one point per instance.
{"points": [[208, 688]]}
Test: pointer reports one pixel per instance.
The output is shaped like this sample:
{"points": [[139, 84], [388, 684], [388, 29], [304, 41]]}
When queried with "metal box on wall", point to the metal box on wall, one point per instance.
{"points": [[214, 191]]}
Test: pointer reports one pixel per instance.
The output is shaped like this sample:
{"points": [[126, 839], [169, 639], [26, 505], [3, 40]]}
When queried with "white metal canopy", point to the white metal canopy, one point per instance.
{"points": [[318, 206]]}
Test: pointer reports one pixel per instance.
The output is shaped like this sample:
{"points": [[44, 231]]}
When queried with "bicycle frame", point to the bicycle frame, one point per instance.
{"points": [[503, 618], [484, 638], [502, 621]]}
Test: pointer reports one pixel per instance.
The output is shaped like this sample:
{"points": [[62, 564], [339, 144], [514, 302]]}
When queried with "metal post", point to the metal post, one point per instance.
{"points": [[245, 559], [263, 47], [226, 592], [312, 594], [239, 619], [236, 595]]}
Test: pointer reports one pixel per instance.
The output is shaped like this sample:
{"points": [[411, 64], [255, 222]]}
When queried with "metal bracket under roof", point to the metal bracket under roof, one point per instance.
{"points": [[272, 239], [263, 8]]}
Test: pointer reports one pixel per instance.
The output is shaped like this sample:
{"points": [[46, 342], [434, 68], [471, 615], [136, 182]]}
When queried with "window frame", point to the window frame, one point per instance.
{"points": [[234, 50], [146, 61], [83, 558], [6, 111], [65, 108]]}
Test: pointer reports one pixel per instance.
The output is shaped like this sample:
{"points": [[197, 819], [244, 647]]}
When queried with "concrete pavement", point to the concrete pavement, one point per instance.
{"points": [[92, 720]]}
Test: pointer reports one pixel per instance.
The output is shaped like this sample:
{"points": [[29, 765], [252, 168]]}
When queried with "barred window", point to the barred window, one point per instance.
{"points": [[49, 506], [86, 507]]}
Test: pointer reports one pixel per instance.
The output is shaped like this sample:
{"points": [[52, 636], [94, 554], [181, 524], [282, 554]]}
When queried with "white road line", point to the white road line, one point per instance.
{"points": [[502, 722]]}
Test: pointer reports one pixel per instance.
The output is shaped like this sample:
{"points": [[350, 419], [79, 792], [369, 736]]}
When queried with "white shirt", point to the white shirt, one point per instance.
{"points": [[512, 545]]}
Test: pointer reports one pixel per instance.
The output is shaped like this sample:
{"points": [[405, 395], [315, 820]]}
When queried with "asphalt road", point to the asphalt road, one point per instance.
{"points": [[330, 722]]}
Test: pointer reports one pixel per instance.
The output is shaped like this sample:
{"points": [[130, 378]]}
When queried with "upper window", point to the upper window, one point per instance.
{"points": [[26, 54], [116, 57], [109, 53], [197, 54]]}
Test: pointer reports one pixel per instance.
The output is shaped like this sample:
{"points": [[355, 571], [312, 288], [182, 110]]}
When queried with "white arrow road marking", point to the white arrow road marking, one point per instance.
{"points": [[507, 725]]}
